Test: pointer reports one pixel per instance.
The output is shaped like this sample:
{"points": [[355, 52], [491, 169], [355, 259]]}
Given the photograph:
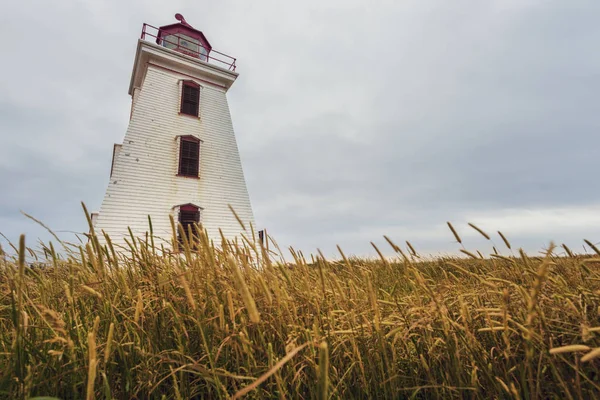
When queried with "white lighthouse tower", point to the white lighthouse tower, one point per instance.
{"points": [[179, 156]]}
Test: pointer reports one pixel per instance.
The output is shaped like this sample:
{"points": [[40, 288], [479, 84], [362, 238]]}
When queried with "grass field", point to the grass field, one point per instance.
{"points": [[217, 323]]}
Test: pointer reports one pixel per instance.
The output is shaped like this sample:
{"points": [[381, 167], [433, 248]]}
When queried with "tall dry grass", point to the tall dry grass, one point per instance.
{"points": [[233, 321]]}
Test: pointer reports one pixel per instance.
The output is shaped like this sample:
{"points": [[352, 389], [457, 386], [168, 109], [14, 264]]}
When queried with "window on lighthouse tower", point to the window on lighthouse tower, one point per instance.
{"points": [[189, 156], [190, 98], [189, 216]]}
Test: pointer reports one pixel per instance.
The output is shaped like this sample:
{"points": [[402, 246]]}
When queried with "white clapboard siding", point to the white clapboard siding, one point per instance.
{"points": [[144, 180]]}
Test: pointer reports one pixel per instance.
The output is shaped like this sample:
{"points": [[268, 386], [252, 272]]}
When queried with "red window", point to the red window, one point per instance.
{"points": [[189, 216], [189, 156], [190, 98]]}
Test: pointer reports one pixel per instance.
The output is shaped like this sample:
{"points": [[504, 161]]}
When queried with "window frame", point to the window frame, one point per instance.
{"points": [[194, 85], [187, 208], [196, 141]]}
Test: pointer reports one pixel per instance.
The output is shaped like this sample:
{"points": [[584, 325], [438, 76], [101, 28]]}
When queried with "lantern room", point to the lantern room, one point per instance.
{"points": [[184, 38]]}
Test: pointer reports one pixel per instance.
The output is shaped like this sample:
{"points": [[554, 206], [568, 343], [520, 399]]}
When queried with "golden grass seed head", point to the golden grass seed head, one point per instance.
{"points": [[592, 246], [464, 251], [411, 248], [92, 291], [230, 306], [570, 349], [323, 383], [109, 339], [139, 306], [485, 235], [504, 239], [592, 355], [454, 232], [92, 369]]}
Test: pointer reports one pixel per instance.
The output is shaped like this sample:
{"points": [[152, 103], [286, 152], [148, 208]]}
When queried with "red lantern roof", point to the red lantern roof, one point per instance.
{"points": [[185, 29]]}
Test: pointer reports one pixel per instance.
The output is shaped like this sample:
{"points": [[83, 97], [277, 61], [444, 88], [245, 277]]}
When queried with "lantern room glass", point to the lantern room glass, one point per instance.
{"points": [[185, 44]]}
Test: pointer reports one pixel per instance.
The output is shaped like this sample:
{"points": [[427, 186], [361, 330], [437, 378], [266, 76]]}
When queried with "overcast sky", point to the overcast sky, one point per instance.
{"points": [[354, 119]]}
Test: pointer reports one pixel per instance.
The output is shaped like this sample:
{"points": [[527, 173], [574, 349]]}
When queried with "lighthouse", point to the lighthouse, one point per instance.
{"points": [[179, 156]]}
